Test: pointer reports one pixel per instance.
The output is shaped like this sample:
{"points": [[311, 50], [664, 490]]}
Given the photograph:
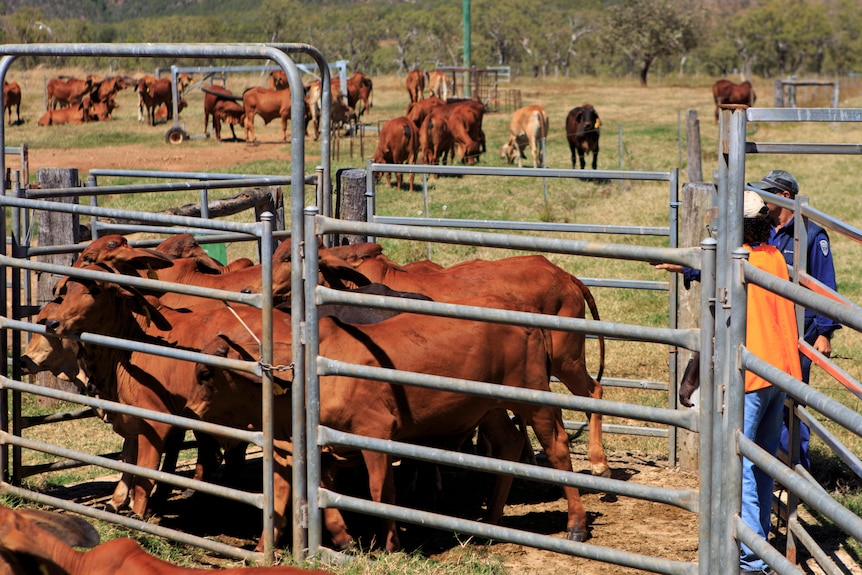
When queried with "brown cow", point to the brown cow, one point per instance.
{"points": [[340, 114], [398, 144], [465, 124], [438, 84], [35, 541], [417, 111], [65, 92], [223, 106], [582, 133], [494, 353], [268, 104], [415, 85], [359, 89], [104, 92], [726, 92], [154, 94], [76, 114], [12, 99], [530, 280], [185, 245], [435, 139], [529, 126], [277, 80]]}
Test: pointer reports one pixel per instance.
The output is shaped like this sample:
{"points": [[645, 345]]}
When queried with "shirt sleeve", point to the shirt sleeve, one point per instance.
{"points": [[689, 275], [822, 268]]}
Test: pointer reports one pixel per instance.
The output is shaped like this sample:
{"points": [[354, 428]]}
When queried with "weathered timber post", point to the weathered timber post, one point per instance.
{"points": [[778, 93], [692, 139], [695, 225], [55, 228], [352, 203]]}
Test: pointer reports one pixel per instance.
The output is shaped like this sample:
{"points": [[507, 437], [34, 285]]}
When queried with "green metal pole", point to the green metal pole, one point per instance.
{"points": [[467, 62]]}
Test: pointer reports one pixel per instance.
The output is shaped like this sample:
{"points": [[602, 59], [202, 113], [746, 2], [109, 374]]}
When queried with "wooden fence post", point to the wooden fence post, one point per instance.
{"points": [[352, 203], [696, 200], [692, 139], [55, 228]]}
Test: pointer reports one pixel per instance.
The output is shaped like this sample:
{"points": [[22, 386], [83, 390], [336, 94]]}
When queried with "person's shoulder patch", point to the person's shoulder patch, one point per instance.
{"points": [[824, 247]]}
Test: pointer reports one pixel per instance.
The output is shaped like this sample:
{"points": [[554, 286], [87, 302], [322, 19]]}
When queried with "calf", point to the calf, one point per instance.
{"points": [[154, 93], [223, 106], [582, 133], [12, 99], [529, 126], [340, 114], [33, 541], [63, 92], [438, 84], [465, 124], [76, 114], [359, 89], [398, 143]]}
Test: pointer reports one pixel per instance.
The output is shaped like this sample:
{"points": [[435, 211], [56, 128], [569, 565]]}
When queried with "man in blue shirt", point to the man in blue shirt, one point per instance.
{"points": [[818, 329]]}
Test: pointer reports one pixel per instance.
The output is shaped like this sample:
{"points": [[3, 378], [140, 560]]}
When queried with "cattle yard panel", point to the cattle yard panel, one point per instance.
{"points": [[792, 476], [23, 175], [279, 55], [690, 339], [481, 83], [786, 91], [672, 177]]}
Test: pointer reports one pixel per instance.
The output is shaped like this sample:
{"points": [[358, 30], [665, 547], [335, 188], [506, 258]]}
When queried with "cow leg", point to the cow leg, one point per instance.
{"points": [[581, 159], [281, 488], [547, 422], [151, 442], [595, 159], [284, 129], [381, 484], [332, 518], [120, 497], [506, 442], [569, 367]]}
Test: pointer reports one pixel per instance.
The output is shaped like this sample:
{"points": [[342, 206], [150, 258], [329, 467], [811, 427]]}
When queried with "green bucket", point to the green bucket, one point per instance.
{"points": [[217, 252]]}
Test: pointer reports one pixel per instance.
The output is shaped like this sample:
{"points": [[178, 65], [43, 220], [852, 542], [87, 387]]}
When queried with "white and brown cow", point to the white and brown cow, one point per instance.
{"points": [[529, 126]]}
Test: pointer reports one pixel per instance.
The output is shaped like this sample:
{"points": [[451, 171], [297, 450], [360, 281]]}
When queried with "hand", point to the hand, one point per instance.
{"points": [[824, 345], [675, 268]]}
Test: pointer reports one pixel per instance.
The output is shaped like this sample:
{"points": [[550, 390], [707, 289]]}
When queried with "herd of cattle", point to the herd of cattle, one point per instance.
{"points": [[488, 352]]}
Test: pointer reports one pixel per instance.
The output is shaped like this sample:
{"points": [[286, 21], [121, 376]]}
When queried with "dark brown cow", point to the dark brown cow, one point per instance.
{"points": [[529, 280], [398, 144], [435, 139], [415, 85], [76, 114], [268, 104], [359, 89], [582, 133], [12, 99], [35, 541], [417, 111], [726, 92], [65, 92], [493, 353]]}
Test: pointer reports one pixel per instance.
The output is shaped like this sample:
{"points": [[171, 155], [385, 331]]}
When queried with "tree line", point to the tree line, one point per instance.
{"points": [[561, 37]]}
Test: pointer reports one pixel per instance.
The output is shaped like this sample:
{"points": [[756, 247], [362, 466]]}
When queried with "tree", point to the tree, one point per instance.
{"points": [[645, 30]]}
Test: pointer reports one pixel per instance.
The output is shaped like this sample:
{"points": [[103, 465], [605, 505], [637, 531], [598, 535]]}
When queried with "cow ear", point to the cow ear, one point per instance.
{"points": [[142, 259], [69, 529]]}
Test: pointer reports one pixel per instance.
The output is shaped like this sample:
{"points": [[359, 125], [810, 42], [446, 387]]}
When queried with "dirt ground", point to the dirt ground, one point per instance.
{"points": [[616, 522]]}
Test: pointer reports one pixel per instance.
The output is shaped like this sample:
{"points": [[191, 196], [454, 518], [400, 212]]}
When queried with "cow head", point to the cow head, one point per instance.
{"points": [[54, 354], [115, 251]]}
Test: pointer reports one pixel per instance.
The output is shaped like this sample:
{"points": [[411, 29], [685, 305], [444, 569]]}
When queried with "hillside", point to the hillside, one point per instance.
{"points": [[107, 11]]}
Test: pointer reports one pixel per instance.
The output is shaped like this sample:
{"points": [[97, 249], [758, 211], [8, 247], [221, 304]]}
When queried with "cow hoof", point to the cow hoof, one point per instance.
{"points": [[577, 535], [601, 470]]}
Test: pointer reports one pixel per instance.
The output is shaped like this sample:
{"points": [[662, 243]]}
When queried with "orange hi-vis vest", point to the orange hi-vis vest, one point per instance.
{"points": [[771, 332]]}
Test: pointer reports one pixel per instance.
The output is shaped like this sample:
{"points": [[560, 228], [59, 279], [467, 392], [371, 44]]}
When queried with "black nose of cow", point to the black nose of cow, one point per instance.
{"points": [[52, 325]]}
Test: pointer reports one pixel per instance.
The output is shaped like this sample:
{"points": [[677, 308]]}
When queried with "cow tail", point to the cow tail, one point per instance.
{"points": [[594, 312]]}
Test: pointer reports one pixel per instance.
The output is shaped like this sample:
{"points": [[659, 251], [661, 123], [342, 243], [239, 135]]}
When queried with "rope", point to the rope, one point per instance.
{"points": [[265, 366]]}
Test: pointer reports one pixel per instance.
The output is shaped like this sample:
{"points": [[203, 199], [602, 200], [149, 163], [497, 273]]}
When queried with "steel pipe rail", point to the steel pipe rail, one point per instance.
{"points": [[682, 498], [688, 339], [684, 256], [526, 226], [147, 188], [686, 419]]}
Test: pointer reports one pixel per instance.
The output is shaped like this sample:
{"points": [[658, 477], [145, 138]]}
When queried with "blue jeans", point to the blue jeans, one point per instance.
{"points": [[762, 421]]}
